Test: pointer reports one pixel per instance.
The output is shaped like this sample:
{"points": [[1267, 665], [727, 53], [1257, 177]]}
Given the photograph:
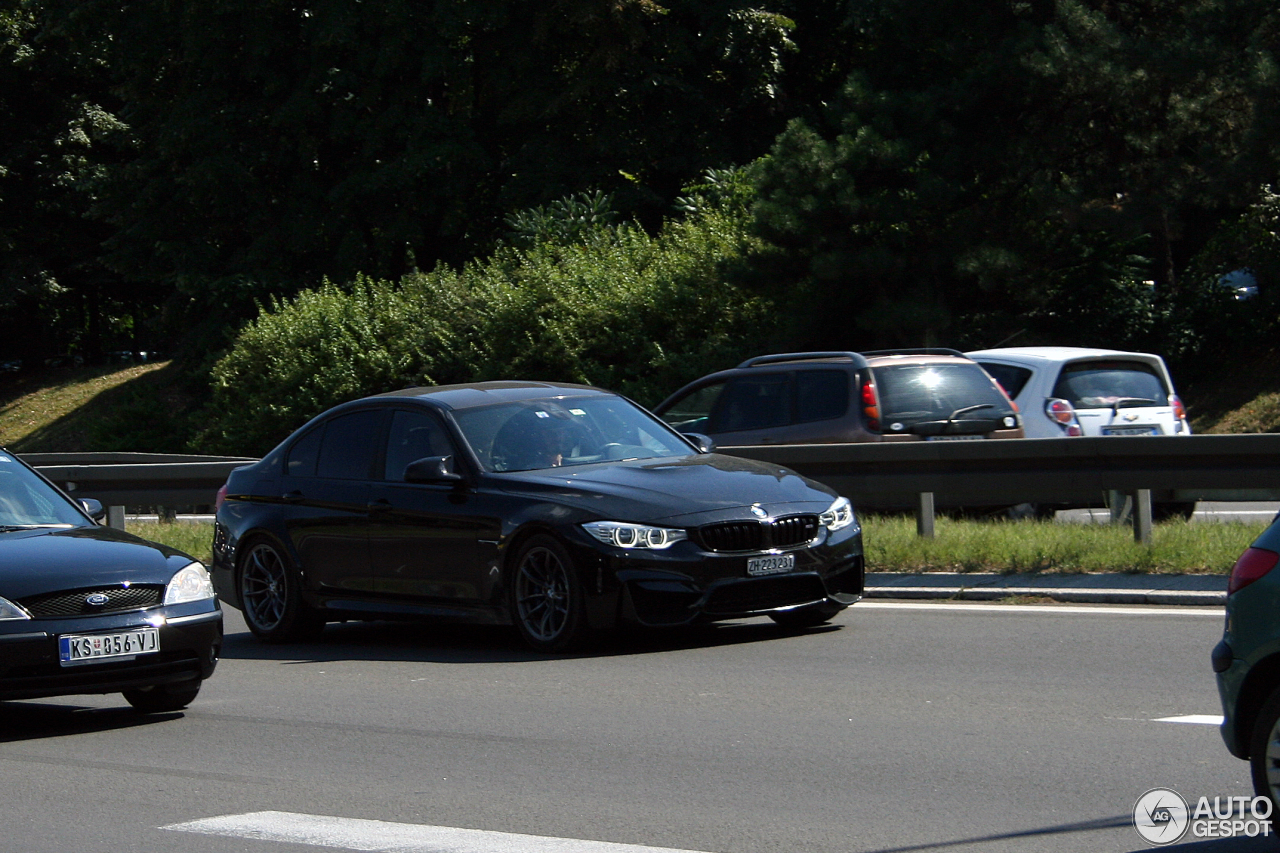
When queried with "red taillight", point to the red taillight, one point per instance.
{"points": [[222, 496], [1179, 411], [1060, 411], [1252, 565], [871, 406]]}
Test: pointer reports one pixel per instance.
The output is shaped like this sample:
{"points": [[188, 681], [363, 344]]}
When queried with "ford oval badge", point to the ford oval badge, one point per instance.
{"points": [[96, 600]]}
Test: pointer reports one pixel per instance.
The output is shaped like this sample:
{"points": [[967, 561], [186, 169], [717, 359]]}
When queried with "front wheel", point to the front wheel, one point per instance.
{"points": [[162, 698], [1264, 751], [546, 598], [271, 597], [810, 616]]}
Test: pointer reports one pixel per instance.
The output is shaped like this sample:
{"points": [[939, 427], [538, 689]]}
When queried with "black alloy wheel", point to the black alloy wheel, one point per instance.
{"points": [[546, 597], [1264, 751], [271, 597], [162, 698]]}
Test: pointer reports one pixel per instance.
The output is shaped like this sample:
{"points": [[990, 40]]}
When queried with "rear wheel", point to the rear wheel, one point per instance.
{"points": [[271, 596], [162, 698], [1264, 751], [546, 598], [807, 617]]}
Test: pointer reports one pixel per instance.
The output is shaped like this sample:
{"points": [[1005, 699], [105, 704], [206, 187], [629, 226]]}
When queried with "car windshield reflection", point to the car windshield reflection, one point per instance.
{"points": [[550, 433], [28, 502]]}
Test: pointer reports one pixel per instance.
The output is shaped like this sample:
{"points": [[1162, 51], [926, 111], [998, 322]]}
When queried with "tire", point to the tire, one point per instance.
{"points": [[1264, 751], [547, 603], [271, 597], [810, 616], [162, 698]]}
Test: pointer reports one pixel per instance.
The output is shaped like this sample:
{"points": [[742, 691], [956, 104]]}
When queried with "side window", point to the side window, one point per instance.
{"points": [[821, 395], [692, 412], [1011, 378], [349, 445], [754, 402], [302, 457], [413, 435]]}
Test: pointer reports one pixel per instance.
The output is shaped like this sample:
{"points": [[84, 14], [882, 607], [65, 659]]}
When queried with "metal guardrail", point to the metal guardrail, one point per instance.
{"points": [[916, 475]]}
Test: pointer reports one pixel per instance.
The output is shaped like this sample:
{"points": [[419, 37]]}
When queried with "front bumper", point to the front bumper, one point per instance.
{"points": [[685, 584], [190, 643]]}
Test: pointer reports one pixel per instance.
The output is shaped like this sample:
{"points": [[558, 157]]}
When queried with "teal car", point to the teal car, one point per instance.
{"points": [[1247, 662]]}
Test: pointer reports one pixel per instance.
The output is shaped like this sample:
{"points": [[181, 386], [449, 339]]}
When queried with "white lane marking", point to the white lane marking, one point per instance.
{"points": [[386, 837], [1101, 609], [1194, 719]]}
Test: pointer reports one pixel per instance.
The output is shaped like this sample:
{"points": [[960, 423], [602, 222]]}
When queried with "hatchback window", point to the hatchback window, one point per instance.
{"points": [[349, 445], [1012, 379], [28, 501], [1099, 384], [911, 393]]}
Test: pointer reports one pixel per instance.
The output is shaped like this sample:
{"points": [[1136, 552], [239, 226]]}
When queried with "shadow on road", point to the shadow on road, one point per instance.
{"points": [[27, 720], [471, 644]]}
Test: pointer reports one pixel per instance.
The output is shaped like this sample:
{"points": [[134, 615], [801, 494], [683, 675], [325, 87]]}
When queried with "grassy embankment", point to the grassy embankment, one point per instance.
{"points": [[67, 410]]}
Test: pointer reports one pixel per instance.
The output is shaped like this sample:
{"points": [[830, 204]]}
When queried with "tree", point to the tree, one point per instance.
{"points": [[984, 151]]}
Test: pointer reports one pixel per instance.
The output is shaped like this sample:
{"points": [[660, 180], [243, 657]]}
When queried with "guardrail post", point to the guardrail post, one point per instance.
{"points": [[1142, 516], [1121, 506], [115, 517], [924, 516]]}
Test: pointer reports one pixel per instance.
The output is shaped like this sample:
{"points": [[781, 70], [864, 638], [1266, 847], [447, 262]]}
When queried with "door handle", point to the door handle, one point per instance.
{"points": [[293, 497], [380, 505]]}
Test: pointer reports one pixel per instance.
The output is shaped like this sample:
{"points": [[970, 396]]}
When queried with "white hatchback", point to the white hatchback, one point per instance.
{"points": [[1068, 391]]}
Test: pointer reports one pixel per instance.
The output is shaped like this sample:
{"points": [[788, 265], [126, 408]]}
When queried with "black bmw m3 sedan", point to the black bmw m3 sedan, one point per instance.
{"points": [[557, 508]]}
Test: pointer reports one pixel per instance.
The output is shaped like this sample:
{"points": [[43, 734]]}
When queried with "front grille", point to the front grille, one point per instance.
{"points": [[788, 532], [119, 598]]}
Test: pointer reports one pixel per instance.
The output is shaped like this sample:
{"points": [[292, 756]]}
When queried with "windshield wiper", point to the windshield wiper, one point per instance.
{"points": [[1131, 401], [966, 409], [9, 528]]}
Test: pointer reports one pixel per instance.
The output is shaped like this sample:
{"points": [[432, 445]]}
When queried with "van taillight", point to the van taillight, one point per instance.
{"points": [[1252, 565], [871, 406]]}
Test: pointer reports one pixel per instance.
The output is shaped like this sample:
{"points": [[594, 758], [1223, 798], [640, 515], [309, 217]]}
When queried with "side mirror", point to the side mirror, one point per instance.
{"points": [[702, 442], [94, 508], [432, 469]]}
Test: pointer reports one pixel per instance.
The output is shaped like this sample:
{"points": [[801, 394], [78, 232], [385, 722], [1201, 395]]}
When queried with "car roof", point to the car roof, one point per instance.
{"points": [[476, 394], [1058, 354]]}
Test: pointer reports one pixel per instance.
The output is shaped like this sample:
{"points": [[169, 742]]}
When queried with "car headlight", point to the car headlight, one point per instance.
{"points": [[621, 534], [190, 584], [10, 611], [838, 516]]}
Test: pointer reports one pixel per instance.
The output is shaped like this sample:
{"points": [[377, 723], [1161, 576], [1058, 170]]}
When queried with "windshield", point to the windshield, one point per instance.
{"points": [[28, 501], [536, 434], [912, 393], [1102, 384]]}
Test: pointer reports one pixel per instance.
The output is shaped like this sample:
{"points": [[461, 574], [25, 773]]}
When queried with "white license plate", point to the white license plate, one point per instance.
{"points": [[76, 649], [1146, 430], [771, 565], [954, 437]]}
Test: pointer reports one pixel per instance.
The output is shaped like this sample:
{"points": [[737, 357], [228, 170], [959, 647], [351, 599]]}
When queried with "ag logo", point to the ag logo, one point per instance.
{"points": [[1161, 816]]}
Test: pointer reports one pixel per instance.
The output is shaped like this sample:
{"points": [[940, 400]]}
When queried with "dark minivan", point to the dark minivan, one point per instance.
{"points": [[837, 397]]}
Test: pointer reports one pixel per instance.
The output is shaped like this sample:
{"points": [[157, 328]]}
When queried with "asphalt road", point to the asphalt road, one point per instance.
{"points": [[920, 727]]}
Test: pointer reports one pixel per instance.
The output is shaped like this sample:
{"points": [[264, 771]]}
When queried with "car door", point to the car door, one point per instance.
{"points": [[326, 490], [425, 538]]}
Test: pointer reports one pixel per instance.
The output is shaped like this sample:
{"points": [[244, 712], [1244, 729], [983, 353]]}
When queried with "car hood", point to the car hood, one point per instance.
{"points": [[651, 490], [33, 562]]}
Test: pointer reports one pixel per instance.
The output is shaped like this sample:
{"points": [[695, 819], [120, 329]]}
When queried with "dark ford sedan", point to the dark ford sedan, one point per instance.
{"points": [[89, 609], [558, 508]]}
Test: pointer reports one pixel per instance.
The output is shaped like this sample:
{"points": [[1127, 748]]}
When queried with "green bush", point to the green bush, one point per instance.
{"points": [[616, 308]]}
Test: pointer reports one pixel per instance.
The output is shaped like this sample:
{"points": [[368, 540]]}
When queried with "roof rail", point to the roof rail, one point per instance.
{"points": [[781, 358], [917, 351]]}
